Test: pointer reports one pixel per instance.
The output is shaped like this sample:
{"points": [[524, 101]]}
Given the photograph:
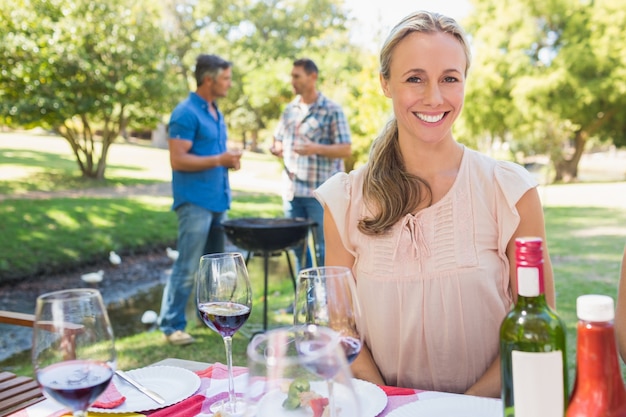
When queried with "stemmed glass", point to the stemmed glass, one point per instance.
{"points": [[288, 374], [73, 347], [326, 296], [224, 301]]}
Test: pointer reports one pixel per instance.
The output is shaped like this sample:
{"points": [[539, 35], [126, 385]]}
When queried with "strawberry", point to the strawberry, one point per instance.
{"points": [[318, 405]]}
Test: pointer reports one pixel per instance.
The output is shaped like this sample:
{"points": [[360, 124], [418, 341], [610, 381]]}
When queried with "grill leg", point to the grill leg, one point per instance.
{"points": [[291, 273], [266, 272]]}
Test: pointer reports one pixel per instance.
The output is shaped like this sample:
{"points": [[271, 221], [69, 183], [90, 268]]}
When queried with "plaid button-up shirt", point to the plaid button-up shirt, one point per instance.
{"points": [[321, 122]]}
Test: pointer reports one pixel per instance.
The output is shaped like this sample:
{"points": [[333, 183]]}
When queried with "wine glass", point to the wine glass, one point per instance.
{"points": [[288, 370], [326, 296], [224, 301], [73, 347]]}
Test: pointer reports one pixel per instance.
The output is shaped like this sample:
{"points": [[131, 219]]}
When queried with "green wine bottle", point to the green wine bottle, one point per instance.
{"points": [[532, 343]]}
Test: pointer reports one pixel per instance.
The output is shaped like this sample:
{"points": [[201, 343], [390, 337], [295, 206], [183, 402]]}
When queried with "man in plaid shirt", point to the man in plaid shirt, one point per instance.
{"points": [[312, 137]]}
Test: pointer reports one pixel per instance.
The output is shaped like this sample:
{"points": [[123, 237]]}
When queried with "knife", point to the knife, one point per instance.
{"points": [[153, 395]]}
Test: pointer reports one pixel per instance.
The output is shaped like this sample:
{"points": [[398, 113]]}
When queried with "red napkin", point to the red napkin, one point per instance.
{"points": [[220, 371], [189, 407], [391, 391], [110, 398]]}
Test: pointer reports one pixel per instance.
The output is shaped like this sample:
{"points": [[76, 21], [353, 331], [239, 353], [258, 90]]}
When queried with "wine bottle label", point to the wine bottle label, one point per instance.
{"points": [[538, 383], [528, 281]]}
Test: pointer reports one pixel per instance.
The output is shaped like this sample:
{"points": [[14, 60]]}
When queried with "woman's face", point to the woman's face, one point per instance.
{"points": [[426, 85]]}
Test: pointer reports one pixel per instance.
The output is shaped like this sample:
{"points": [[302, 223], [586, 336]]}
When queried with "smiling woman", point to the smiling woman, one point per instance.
{"points": [[427, 225]]}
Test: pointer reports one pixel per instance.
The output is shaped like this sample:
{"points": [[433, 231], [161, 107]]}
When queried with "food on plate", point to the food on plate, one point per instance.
{"points": [[299, 394]]}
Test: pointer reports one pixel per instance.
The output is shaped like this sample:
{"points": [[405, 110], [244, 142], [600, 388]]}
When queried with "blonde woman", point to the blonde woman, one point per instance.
{"points": [[428, 226]]}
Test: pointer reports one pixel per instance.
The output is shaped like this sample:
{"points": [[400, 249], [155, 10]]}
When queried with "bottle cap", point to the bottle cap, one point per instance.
{"points": [[593, 307]]}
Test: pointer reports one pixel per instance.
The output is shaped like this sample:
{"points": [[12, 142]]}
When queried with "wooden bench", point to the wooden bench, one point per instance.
{"points": [[17, 392], [18, 319]]}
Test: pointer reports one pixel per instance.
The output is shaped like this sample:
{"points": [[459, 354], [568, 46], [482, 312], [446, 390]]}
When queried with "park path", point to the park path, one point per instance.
{"points": [[609, 194], [583, 194], [602, 174], [240, 181]]}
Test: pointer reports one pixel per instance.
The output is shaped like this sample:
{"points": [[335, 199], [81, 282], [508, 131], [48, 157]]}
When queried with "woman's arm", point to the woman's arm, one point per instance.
{"points": [[620, 312], [531, 224], [488, 385], [363, 366]]}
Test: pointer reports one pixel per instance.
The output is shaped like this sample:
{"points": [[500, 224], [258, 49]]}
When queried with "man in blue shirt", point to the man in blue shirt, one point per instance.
{"points": [[312, 137], [200, 162]]}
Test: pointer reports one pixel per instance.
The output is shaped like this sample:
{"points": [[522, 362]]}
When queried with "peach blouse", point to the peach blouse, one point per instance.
{"points": [[435, 289]]}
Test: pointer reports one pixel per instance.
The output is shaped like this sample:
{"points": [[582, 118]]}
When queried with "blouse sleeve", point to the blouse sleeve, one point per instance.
{"points": [[512, 182], [336, 194]]}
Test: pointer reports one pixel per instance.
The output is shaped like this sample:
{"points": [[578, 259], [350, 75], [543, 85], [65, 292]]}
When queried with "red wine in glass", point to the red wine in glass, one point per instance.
{"points": [[75, 384], [325, 366], [224, 301], [73, 347], [351, 346], [327, 296], [224, 317]]}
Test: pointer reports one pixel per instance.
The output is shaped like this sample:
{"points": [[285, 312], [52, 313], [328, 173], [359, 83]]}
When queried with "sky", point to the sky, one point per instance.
{"points": [[379, 16]]}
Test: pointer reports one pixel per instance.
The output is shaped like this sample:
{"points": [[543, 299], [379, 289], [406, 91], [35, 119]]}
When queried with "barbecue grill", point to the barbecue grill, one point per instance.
{"points": [[268, 236]]}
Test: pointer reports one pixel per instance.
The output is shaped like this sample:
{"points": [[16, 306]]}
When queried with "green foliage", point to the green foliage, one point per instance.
{"points": [[261, 38], [366, 107], [547, 77], [83, 69]]}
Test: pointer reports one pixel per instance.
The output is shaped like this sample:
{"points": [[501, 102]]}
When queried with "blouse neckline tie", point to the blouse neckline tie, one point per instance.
{"points": [[414, 226]]}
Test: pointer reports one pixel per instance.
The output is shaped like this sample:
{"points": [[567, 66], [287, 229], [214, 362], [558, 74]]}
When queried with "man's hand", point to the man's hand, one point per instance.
{"points": [[277, 149], [231, 159], [306, 147]]}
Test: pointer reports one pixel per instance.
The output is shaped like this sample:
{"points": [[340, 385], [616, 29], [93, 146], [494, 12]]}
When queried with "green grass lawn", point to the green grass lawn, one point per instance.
{"points": [[586, 246], [586, 243]]}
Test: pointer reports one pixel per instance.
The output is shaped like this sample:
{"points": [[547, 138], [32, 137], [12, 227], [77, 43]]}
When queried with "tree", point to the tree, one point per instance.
{"points": [[84, 70], [89, 70], [549, 74]]}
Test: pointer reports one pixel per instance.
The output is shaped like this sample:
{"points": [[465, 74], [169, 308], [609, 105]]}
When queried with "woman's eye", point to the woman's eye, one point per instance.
{"points": [[414, 80], [450, 79]]}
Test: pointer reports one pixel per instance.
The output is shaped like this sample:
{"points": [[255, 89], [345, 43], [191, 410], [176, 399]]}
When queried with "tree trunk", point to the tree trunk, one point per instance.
{"points": [[566, 169], [254, 141]]}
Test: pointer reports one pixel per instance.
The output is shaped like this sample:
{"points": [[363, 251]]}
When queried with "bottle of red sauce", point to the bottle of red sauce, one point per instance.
{"points": [[599, 388]]}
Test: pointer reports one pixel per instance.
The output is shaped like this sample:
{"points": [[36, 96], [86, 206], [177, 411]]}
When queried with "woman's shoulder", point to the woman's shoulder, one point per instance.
{"points": [[342, 189], [500, 170], [344, 180]]}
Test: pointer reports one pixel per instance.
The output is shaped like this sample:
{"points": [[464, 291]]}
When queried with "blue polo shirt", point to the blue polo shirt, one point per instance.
{"points": [[210, 188]]}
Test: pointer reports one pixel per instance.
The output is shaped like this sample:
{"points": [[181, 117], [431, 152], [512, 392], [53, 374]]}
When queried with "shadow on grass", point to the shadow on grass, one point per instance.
{"points": [[53, 172], [49, 236]]}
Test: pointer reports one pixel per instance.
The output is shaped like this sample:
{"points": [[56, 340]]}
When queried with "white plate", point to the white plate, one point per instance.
{"points": [[371, 398], [452, 406], [172, 383]]}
